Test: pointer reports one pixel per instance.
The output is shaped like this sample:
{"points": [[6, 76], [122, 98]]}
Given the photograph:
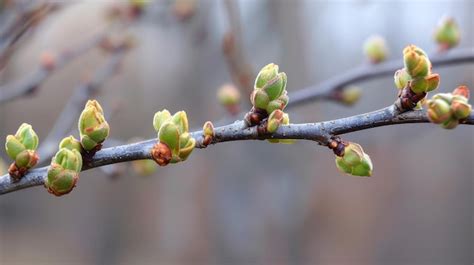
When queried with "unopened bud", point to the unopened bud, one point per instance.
{"points": [[425, 84], [229, 97], [21, 147], [460, 107], [375, 48], [447, 34], [417, 63], [462, 91], [354, 161], [438, 111], [270, 89], [63, 173], [71, 143], [350, 95], [274, 120], [208, 133], [93, 128]]}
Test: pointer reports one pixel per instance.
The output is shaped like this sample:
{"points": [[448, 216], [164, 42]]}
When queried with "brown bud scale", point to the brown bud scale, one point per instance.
{"points": [[161, 154]]}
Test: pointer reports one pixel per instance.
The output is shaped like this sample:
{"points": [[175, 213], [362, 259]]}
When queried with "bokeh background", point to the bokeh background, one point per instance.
{"points": [[246, 202]]}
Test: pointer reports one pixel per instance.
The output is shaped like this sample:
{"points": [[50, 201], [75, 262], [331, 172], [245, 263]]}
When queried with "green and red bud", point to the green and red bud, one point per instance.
{"points": [[93, 128], [448, 109], [375, 48], [447, 34], [71, 143], [354, 161], [270, 89], [208, 133], [21, 147], [416, 61], [175, 142], [425, 84], [63, 172], [285, 120], [274, 120]]}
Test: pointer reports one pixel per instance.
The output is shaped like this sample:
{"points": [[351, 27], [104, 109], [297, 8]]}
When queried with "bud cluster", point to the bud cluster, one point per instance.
{"points": [[351, 159], [63, 173], [175, 142], [375, 48], [276, 119], [21, 147], [447, 34], [417, 73], [269, 94], [448, 109], [93, 128]]}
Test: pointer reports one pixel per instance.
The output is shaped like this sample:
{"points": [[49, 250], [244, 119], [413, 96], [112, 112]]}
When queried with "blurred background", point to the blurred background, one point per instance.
{"points": [[246, 202]]}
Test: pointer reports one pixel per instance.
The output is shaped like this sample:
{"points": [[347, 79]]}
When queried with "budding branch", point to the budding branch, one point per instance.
{"points": [[320, 132]]}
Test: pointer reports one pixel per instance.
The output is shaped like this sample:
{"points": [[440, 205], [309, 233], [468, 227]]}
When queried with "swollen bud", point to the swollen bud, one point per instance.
{"points": [[354, 161], [229, 97], [175, 142], [270, 89], [438, 110], [284, 121], [93, 128], [21, 147], [274, 120], [208, 133], [375, 48], [425, 84], [350, 95], [448, 109], [63, 173], [416, 61], [447, 34]]}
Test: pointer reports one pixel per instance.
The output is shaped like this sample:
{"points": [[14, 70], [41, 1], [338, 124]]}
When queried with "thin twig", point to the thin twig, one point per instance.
{"points": [[320, 132], [73, 107], [239, 68], [28, 85], [327, 89]]}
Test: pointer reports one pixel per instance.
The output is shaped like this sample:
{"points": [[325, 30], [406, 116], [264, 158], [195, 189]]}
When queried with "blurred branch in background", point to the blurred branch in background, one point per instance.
{"points": [[232, 47], [83, 92], [19, 22], [49, 62]]}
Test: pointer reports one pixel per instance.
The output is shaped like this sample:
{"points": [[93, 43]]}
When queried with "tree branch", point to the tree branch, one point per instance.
{"points": [[321, 132], [328, 88], [74, 106], [28, 85]]}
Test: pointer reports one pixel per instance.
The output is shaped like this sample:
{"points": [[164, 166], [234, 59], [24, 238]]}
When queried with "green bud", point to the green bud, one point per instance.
{"points": [[21, 147], [13, 146], [266, 74], [70, 143], [187, 148], [438, 110], [228, 95], [416, 61], [447, 34], [401, 78], [169, 135], [460, 107], [270, 89], [354, 161], [160, 118], [93, 128], [375, 48], [285, 121], [26, 159], [64, 171], [350, 95], [208, 129], [274, 120]]}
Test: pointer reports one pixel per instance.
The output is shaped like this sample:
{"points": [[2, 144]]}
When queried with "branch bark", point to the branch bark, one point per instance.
{"points": [[320, 132]]}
